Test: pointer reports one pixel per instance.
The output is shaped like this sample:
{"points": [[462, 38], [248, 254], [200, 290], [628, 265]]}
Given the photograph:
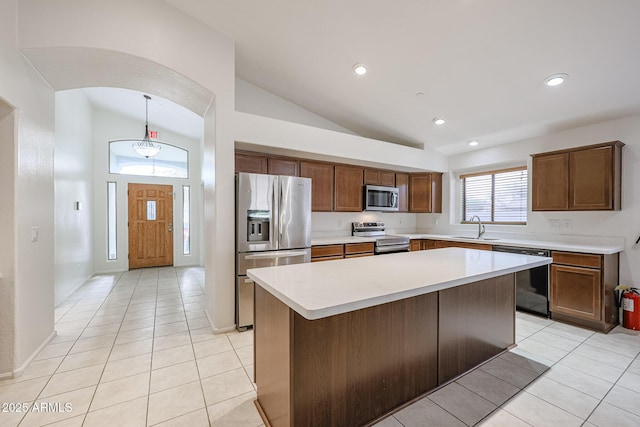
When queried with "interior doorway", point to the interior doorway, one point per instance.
{"points": [[150, 225]]}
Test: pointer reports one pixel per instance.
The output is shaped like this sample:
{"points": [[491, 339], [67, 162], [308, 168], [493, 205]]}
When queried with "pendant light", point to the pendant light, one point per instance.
{"points": [[145, 147]]}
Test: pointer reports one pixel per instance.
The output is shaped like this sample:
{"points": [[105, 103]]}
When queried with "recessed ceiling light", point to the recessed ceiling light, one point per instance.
{"points": [[439, 121], [360, 69], [474, 143], [556, 79]]}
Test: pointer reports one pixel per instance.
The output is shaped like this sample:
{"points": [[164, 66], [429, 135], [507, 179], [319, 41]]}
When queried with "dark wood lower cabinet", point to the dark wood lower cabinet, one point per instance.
{"points": [[582, 289], [350, 369], [477, 322], [575, 291]]}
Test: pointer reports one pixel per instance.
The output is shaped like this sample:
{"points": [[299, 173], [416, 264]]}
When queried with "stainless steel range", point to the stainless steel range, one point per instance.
{"points": [[385, 243]]}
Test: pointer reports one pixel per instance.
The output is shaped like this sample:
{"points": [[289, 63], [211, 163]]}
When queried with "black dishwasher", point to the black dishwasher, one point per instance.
{"points": [[532, 286]]}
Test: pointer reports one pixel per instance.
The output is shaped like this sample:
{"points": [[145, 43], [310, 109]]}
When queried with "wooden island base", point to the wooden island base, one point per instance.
{"points": [[353, 368]]}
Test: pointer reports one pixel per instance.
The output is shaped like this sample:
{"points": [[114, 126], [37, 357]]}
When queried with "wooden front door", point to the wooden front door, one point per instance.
{"points": [[150, 225]]}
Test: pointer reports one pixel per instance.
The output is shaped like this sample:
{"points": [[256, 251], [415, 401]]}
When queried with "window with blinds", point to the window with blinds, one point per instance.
{"points": [[498, 197]]}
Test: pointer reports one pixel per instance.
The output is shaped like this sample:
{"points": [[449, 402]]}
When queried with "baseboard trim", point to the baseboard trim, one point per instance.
{"points": [[18, 372], [218, 331]]}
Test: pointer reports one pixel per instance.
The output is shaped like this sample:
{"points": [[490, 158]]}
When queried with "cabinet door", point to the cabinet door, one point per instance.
{"points": [[591, 179], [372, 177], [436, 192], [387, 178], [420, 192], [321, 175], [415, 245], [402, 182], [250, 162], [427, 244], [575, 291], [348, 195], [283, 166], [550, 182]]}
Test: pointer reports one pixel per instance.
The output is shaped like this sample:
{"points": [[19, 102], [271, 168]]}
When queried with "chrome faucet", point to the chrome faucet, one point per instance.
{"points": [[480, 226]]}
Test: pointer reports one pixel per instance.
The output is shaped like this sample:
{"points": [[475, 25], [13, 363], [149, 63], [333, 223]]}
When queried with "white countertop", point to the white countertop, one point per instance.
{"points": [[323, 289], [591, 248], [584, 247]]}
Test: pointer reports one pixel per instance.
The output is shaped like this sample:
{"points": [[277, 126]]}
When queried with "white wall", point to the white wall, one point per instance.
{"points": [[622, 224], [108, 126], [32, 165], [7, 253], [165, 52], [255, 100], [328, 224], [297, 139], [73, 171]]}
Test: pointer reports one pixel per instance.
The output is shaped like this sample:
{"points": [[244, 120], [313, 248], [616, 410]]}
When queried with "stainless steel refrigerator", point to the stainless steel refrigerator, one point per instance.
{"points": [[273, 227]]}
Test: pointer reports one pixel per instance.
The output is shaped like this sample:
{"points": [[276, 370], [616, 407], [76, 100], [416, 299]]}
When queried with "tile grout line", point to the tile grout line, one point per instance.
{"points": [[112, 345], [153, 343], [612, 387], [558, 362], [195, 358], [67, 354], [538, 375]]}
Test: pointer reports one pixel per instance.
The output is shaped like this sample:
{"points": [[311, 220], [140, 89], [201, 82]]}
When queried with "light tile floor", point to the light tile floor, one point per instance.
{"points": [[136, 349]]}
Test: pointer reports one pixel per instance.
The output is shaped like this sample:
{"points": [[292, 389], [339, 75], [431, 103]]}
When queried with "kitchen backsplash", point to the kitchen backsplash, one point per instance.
{"points": [[329, 224], [336, 224]]}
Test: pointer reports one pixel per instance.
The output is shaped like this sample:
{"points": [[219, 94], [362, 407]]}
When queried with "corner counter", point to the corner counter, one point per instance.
{"points": [[347, 342]]}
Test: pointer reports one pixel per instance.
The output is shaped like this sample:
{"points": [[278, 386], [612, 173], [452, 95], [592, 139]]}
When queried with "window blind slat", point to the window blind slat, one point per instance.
{"points": [[497, 196]]}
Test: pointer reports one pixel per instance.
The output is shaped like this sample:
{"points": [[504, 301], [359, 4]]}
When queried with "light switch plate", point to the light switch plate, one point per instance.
{"points": [[35, 232]]}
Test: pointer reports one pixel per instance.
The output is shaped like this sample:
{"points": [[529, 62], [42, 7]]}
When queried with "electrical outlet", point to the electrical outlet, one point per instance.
{"points": [[436, 221], [339, 223], [554, 223], [35, 232], [567, 224]]}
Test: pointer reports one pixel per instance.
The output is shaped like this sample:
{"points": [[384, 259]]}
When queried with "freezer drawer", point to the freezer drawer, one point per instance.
{"points": [[271, 259], [244, 302]]}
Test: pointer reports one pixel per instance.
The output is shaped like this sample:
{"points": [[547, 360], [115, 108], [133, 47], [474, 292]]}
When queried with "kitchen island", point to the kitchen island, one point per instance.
{"points": [[343, 343]]}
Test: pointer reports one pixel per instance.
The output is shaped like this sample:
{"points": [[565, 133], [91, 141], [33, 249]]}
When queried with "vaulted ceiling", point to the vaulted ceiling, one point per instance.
{"points": [[480, 64]]}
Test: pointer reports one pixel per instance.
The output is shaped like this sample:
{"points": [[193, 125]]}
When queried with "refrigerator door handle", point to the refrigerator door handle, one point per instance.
{"points": [[279, 254], [274, 224], [280, 219]]}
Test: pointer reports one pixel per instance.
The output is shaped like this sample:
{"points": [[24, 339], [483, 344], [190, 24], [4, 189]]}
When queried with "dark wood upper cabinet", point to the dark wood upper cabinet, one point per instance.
{"points": [[250, 162], [348, 194], [584, 178], [436, 192], [425, 192], [591, 179], [550, 182], [402, 182], [338, 187], [283, 166], [387, 178], [322, 183], [379, 177]]}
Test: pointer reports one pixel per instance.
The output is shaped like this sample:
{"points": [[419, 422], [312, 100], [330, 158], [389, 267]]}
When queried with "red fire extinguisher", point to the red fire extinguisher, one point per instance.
{"points": [[631, 309]]}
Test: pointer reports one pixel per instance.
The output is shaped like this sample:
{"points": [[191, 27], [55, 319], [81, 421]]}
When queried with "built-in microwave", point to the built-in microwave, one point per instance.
{"points": [[379, 198]]}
